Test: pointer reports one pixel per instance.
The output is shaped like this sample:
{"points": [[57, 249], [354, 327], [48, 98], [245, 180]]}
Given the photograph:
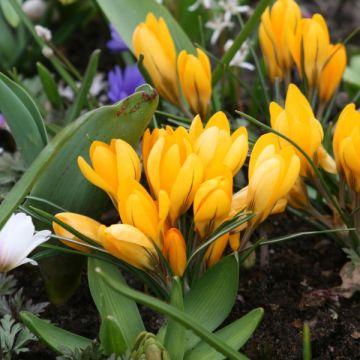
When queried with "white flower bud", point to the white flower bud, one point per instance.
{"points": [[47, 52], [34, 9], [43, 32]]}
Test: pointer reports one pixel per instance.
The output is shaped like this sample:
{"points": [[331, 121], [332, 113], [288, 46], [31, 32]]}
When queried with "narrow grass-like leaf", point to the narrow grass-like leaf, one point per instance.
{"points": [[306, 343], [49, 85], [81, 97]]}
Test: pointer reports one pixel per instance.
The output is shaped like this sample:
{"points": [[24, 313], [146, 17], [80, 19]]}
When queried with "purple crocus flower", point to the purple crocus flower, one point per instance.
{"points": [[3, 124], [123, 83], [116, 43]]}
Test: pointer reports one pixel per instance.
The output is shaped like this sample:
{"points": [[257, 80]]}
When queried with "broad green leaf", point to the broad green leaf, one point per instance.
{"points": [[9, 13], [212, 297], [23, 117], [175, 333], [111, 337], [53, 336], [81, 97], [54, 175], [235, 335], [125, 15], [172, 312], [110, 303], [49, 85]]}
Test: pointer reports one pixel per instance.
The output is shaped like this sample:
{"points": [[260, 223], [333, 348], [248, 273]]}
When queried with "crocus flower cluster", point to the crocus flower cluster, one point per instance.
{"points": [[153, 40], [187, 172], [287, 38]]}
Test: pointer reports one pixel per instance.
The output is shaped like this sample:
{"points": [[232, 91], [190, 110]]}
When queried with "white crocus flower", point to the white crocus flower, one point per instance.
{"points": [[218, 24], [17, 240], [240, 56], [232, 7]]}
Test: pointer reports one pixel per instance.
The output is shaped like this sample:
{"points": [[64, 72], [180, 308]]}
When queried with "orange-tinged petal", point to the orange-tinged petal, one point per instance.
{"points": [[175, 251], [83, 224]]}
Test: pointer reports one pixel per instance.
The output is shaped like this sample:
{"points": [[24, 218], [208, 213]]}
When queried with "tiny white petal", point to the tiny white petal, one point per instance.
{"points": [[43, 32]]}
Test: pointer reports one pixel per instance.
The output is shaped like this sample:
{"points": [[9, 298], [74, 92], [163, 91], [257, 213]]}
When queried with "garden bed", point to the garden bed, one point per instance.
{"points": [[292, 289]]}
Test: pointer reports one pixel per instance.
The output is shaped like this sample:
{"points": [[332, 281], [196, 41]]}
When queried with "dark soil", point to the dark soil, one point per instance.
{"points": [[293, 288]]}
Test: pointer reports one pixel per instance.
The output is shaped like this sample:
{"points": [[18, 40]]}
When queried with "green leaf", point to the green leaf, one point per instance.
{"points": [[236, 335], [110, 340], [9, 13], [23, 117], [125, 15], [49, 85], [81, 97], [175, 333], [170, 311], [54, 175], [212, 297], [110, 303], [53, 336]]}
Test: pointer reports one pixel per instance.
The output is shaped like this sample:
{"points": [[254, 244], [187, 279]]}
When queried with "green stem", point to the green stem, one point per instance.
{"points": [[173, 313], [239, 40]]}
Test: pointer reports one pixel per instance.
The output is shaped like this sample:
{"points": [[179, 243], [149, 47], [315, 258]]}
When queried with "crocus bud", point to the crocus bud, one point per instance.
{"points": [[174, 251], [111, 163], [212, 203], [195, 79], [297, 121], [17, 240], [278, 24], [215, 250], [147, 347], [129, 244], [346, 145], [272, 173], [83, 224], [137, 208], [153, 40], [215, 145], [314, 55], [171, 166]]}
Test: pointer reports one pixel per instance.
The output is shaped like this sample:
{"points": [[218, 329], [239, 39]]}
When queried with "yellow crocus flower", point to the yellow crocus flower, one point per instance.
{"points": [[272, 173], [346, 145], [212, 203], [297, 121], [314, 55], [174, 251], [278, 24], [81, 223], [171, 166], [153, 40], [216, 146], [195, 80], [129, 244], [111, 163], [137, 208]]}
